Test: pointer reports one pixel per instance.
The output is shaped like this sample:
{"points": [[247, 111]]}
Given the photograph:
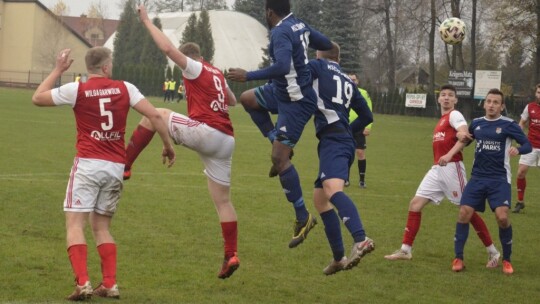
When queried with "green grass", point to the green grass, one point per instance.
{"points": [[169, 240]]}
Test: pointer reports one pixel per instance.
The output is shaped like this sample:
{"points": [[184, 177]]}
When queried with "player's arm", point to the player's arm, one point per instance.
{"points": [[365, 116], [162, 42], [520, 137], [149, 111], [232, 98], [458, 146], [42, 96], [319, 41], [523, 123]]}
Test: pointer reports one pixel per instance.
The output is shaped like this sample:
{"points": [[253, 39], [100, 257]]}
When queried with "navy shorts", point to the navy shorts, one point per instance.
{"points": [[497, 192], [265, 98], [360, 140], [336, 155]]}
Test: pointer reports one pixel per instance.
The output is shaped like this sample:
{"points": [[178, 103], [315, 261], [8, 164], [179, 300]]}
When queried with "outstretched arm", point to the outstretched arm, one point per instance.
{"points": [[163, 43], [42, 96], [147, 109]]}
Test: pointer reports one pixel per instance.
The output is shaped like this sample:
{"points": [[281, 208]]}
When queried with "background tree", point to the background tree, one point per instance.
{"points": [[190, 31], [204, 33], [253, 8], [343, 30]]}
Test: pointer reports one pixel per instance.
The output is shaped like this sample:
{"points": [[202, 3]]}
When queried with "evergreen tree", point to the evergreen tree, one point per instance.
{"points": [[123, 47], [253, 8], [176, 75], [204, 33], [339, 22], [309, 11], [151, 54], [190, 32]]}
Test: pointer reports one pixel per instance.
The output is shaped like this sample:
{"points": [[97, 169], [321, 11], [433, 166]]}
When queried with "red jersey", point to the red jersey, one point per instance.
{"points": [[206, 94], [532, 114], [100, 106], [444, 135]]}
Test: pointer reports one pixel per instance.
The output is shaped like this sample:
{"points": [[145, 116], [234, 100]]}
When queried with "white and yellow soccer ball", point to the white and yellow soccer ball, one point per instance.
{"points": [[452, 30]]}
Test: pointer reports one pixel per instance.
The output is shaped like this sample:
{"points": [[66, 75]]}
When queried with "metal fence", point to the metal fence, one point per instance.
{"points": [[383, 103], [30, 79]]}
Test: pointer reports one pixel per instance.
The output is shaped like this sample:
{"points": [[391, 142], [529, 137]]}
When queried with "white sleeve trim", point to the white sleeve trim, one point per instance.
{"points": [[457, 120], [525, 114], [193, 69], [134, 94], [66, 94]]}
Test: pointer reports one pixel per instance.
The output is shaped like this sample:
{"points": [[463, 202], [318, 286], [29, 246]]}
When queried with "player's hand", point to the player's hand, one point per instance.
{"points": [[63, 62], [237, 75], [464, 137], [367, 132], [513, 151], [444, 160], [168, 153], [143, 15]]}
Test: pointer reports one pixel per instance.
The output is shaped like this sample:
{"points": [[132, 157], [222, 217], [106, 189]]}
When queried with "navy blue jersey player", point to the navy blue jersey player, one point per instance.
{"points": [[491, 175], [296, 100], [337, 94]]}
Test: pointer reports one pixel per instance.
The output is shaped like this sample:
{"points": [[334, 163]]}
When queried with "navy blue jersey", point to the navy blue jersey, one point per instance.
{"points": [[493, 140], [336, 93], [289, 41]]}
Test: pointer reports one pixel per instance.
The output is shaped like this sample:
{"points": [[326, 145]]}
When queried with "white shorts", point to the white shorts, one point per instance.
{"points": [[441, 181], [214, 147], [531, 159], [94, 185]]}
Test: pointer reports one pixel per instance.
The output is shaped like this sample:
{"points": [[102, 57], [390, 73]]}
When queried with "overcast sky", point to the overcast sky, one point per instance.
{"points": [[113, 7]]}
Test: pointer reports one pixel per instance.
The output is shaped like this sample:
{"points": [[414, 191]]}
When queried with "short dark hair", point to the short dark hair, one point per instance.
{"points": [[449, 87], [496, 92], [280, 7]]}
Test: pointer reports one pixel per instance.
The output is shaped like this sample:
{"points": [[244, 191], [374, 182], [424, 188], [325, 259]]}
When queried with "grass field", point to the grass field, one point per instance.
{"points": [[169, 240]]}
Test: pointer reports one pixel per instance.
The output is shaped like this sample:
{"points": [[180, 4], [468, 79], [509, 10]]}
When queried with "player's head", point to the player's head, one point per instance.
{"points": [[494, 103], [537, 93], [354, 78], [447, 97], [275, 10], [192, 50], [331, 54], [99, 61]]}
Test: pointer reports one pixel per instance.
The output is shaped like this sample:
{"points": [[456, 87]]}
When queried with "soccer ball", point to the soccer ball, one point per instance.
{"points": [[452, 30]]}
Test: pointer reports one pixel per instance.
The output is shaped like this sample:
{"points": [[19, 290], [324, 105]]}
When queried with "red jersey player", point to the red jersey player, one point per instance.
{"points": [[447, 177], [208, 131], [101, 106], [530, 117]]}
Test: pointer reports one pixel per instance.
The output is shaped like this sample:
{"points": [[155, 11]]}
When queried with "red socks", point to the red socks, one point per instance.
{"points": [[481, 229], [230, 237], [140, 138], [107, 252], [78, 258], [521, 185], [413, 225]]}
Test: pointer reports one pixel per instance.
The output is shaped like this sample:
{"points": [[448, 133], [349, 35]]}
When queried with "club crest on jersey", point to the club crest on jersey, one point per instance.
{"points": [[498, 130], [454, 193]]}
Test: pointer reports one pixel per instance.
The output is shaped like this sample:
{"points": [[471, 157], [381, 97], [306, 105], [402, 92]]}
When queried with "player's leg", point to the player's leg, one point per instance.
{"points": [[292, 118], [141, 137], [259, 103], [332, 229], [521, 183], [429, 190], [499, 194], [106, 248], [472, 200], [360, 141], [229, 227], [217, 159]]}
